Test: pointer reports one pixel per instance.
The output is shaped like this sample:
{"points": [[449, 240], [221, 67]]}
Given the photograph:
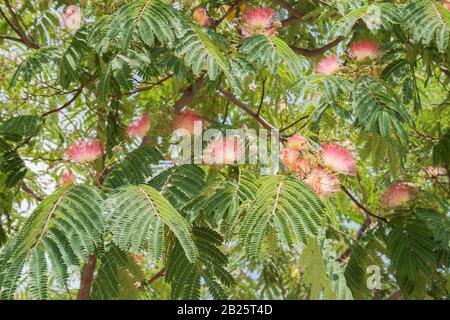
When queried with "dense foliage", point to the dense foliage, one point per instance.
{"points": [[93, 206]]}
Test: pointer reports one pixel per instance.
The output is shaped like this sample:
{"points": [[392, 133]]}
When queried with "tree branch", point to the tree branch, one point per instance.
{"points": [[396, 295], [160, 274], [318, 51], [65, 105], [10, 38], [188, 95], [230, 9], [31, 192], [87, 275], [248, 110], [159, 82], [294, 123], [15, 25], [359, 205]]}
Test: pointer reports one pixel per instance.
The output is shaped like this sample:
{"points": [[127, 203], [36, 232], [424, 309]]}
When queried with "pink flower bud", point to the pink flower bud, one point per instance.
{"points": [[68, 178], [201, 16], [72, 18]]}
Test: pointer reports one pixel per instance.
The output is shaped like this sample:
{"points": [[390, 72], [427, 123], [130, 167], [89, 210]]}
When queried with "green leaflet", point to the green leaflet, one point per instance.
{"points": [[135, 168], [272, 51], [67, 225], [321, 272], [116, 276], [410, 245], [428, 20], [185, 277], [295, 211], [136, 216]]}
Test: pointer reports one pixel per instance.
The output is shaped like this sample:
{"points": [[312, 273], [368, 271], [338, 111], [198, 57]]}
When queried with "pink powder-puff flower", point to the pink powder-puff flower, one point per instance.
{"points": [[139, 127], [364, 49], [322, 183], [188, 121], [328, 65], [72, 18], [258, 21], [397, 195], [223, 151], [297, 142], [68, 177], [201, 16], [338, 159], [446, 5], [84, 151], [289, 158]]}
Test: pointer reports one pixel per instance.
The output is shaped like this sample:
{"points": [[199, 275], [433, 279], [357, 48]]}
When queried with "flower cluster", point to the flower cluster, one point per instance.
{"points": [[224, 151], [398, 194], [361, 51], [200, 16], [84, 151], [318, 169], [446, 4], [329, 65], [259, 21], [72, 18], [187, 121], [139, 127]]}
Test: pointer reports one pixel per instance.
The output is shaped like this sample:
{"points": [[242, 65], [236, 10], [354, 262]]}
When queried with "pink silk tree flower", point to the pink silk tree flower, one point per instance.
{"points": [[224, 151], [258, 21], [289, 158], [322, 183], [72, 18], [397, 195], [84, 151], [201, 16], [364, 49], [328, 65], [338, 159], [297, 142], [68, 178], [446, 4], [187, 121], [139, 127]]}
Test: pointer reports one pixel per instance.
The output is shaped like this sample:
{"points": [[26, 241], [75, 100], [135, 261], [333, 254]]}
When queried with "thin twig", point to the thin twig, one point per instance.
{"points": [[294, 123], [359, 205], [262, 96], [248, 110], [318, 51], [65, 105], [31, 192]]}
